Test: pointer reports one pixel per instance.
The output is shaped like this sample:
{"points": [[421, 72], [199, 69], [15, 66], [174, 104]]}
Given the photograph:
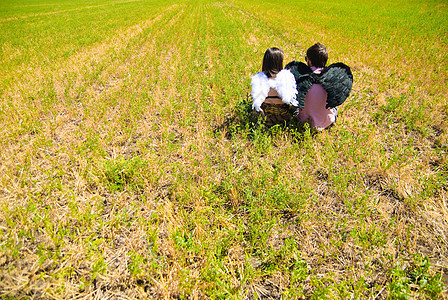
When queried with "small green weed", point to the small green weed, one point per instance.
{"points": [[417, 277], [122, 172]]}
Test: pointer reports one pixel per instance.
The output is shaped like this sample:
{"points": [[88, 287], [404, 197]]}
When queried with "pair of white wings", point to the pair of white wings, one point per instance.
{"points": [[284, 84]]}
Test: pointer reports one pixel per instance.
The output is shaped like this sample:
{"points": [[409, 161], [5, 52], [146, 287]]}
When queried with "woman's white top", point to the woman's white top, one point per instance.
{"points": [[284, 83]]}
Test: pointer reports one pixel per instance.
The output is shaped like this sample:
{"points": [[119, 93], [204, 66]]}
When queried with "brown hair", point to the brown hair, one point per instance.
{"points": [[318, 55], [272, 61]]}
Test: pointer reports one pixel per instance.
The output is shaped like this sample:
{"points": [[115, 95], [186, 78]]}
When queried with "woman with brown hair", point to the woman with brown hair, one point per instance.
{"points": [[274, 89]]}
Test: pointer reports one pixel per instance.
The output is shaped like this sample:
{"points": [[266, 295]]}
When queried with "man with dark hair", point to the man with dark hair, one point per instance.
{"points": [[317, 55], [315, 110], [320, 89]]}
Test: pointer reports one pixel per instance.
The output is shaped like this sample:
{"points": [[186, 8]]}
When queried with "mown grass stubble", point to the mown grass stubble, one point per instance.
{"points": [[129, 170]]}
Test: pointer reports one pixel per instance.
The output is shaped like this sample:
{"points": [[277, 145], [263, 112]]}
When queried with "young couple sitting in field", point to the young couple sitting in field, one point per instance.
{"points": [[311, 92]]}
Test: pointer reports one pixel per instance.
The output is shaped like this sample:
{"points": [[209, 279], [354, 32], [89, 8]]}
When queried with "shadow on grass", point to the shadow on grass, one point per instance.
{"points": [[245, 122]]}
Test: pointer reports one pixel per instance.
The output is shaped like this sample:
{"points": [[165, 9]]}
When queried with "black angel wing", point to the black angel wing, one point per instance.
{"points": [[299, 68], [337, 80], [304, 79]]}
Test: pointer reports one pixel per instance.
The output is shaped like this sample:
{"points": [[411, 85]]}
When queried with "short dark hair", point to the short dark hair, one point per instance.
{"points": [[318, 55], [272, 61]]}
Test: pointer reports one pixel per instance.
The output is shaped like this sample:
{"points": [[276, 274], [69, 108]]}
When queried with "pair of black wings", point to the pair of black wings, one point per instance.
{"points": [[336, 79]]}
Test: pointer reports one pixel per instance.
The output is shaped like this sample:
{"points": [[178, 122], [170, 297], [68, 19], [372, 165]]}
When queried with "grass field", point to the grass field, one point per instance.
{"points": [[130, 167]]}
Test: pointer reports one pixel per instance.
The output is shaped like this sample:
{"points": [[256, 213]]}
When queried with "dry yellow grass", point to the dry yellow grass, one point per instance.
{"points": [[216, 210]]}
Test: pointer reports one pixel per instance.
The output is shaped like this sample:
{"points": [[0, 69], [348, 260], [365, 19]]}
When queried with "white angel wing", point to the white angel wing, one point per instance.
{"points": [[260, 89], [286, 87]]}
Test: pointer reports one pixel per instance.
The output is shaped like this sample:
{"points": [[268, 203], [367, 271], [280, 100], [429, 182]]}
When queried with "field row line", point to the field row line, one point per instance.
{"points": [[93, 54], [73, 71], [64, 11]]}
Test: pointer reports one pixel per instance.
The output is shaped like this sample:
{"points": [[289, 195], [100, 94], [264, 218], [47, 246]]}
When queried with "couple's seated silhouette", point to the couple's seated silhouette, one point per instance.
{"points": [[309, 92]]}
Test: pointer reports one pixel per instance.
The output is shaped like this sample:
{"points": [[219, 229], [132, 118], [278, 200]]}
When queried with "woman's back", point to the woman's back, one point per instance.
{"points": [[274, 96]]}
